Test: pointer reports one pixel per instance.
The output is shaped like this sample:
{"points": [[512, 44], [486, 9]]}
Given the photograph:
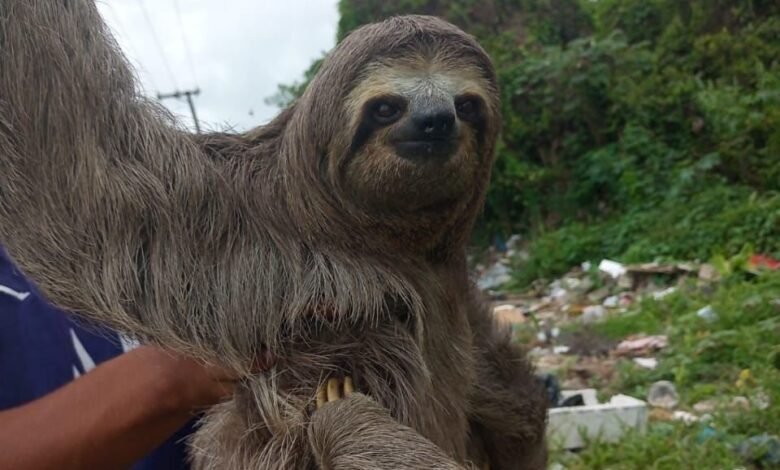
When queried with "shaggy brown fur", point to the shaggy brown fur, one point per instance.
{"points": [[308, 236]]}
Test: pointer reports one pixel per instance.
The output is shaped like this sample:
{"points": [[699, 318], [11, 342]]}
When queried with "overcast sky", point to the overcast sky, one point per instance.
{"points": [[240, 50]]}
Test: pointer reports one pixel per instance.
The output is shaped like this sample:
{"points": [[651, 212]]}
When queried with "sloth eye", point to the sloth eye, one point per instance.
{"points": [[467, 108], [385, 112]]}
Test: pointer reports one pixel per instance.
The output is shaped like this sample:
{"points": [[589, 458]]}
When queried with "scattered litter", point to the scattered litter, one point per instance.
{"points": [[607, 422], [708, 432], [757, 263], [588, 395], [664, 293], [740, 403], [586, 266], [660, 414], [707, 313], [585, 285], [558, 293], [745, 378], [507, 313], [685, 417], [553, 388], [763, 449], [599, 294], [663, 394], [593, 313], [706, 418], [574, 360], [625, 282], [572, 282], [612, 301], [641, 345], [547, 335], [574, 400], [708, 273], [626, 299], [613, 268], [589, 367], [646, 362], [657, 268], [495, 276], [705, 406], [761, 400]]}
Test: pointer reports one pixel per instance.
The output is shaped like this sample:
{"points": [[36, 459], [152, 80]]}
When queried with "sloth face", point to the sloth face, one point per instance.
{"points": [[417, 132]]}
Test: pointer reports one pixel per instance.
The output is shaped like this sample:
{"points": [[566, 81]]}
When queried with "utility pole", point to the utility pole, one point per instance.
{"points": [[188, 94]]}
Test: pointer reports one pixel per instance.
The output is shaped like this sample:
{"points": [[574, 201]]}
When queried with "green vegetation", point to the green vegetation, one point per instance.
{"points": [[635, 129]]}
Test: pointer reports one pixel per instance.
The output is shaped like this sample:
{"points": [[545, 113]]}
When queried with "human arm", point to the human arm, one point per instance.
{"points": [[113, 415]]}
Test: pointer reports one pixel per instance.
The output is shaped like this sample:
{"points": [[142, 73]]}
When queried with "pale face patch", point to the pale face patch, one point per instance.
{"points": [[417, 79], [413, 150]]}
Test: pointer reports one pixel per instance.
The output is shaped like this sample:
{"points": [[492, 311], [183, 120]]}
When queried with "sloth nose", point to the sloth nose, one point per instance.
{"points": [[435, 124]]}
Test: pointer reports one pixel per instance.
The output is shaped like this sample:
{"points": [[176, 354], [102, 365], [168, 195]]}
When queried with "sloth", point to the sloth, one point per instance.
{"points": [[334, 237]]}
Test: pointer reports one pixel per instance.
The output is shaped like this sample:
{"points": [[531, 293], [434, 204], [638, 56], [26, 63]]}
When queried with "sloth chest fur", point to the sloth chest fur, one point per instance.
{"points": [[422, 380]]}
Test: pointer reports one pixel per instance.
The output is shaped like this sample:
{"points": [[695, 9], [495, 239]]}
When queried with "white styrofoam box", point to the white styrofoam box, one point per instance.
{"points": [[605, 422]]}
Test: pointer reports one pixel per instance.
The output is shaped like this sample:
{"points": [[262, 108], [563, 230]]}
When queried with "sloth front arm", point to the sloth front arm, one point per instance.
{"points": [[507, 403], [110, 209], [356, 433]]}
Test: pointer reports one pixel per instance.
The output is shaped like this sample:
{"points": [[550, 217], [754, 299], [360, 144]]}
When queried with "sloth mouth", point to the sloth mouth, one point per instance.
{"points": [[426, 150]]}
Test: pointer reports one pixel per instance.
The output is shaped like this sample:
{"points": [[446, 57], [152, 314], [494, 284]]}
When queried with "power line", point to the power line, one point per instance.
{"points": [[184, 40], [123, 33], [158, 44]]}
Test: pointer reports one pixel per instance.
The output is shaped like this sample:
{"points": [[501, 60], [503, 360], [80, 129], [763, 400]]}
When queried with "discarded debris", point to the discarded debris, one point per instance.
{"points": [[739, 403], [507, 313], [613, 268], [685, 417], [554, 316], [761, 400], [664, 293], [663, 394], [756, 263], [495, 276], [593, 313], [641, 345], [763, 449], [708, 273], [705, 406], [599, 294], [570, 426], [707, 313], [646, 362], [745, 378], [612, 301]]}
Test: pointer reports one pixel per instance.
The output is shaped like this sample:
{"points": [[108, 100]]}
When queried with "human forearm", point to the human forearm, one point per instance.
{"points": [[109, 418]]}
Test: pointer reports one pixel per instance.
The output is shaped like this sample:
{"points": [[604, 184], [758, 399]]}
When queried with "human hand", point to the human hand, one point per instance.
{"points": [[190, 383]]}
